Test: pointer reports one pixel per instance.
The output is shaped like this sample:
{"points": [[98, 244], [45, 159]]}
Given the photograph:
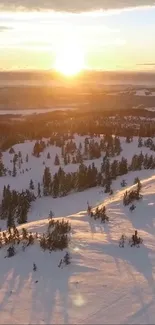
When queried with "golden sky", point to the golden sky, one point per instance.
{"points": [[109, 40]]}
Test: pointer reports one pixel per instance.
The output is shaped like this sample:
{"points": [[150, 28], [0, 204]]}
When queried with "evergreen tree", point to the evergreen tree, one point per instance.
{"points": [[34, 267], [123, 183], [117, 145], [14, 172], [57, 161], [128, 139], [39, 190], [62, 151], [55, 186], [67, 259], [48, 156], [11, 151], [65, 159], [2, 169], [15, 158], [51, 214], [11, 251], [31, 186], [10, 219], [123, 166], [46, 181], [68, 159], [19, 154], [114, 169], [140, 142]]}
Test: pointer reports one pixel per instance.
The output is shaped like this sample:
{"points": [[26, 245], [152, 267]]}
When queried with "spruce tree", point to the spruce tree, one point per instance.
{"points": [[39, 190], [11, 151], [2, 169], [46, 181], [57, 161], [140, 142], [48, 156], [14, 172], [31, 186], [10, 219]]}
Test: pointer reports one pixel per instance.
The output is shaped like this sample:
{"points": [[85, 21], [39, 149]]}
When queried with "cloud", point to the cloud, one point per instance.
{"points": [[4, 28], [147, 64], [72, 5]]}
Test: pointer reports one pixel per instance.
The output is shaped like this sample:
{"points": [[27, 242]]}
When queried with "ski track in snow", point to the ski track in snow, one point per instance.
{"points": [[104, 284]]}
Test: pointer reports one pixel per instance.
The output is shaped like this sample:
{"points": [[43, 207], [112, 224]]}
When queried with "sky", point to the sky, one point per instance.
{"points": [[95, 34]]}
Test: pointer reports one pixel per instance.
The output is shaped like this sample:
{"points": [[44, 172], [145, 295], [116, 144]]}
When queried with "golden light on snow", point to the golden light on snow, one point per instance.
{"points": [[78, 300], [76, 249]]}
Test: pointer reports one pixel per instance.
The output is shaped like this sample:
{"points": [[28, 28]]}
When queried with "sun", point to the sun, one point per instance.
{"points": [[69, 60]]}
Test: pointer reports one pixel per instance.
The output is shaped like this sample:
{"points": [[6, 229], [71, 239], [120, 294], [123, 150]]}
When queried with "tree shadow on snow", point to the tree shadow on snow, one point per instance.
{"points": [[43, 296], [138, 258]]}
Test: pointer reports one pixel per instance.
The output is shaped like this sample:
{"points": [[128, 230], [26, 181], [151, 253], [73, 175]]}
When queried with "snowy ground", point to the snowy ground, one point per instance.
{"points": [[36, 167], [25, 112], [104, 284]]}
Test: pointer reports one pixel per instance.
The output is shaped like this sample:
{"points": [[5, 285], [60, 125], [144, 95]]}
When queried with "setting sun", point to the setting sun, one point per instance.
{"points": [[69, 61]]}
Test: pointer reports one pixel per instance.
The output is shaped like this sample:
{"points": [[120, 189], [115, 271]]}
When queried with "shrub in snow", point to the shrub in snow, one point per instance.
{"points": [[99, 214], [56, 238], [11, 251], [122, 241], [67, 259], [11, 151], [130, 196], [51, 214], [132, 208], [135, 240], [123, 183], [34, 267]]}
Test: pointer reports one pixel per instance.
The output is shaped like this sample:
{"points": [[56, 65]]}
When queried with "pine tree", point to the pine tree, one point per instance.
{"points": [[2, 169], [39, 190], [57, 161], [51, 214], [14, 172], [31, 186], [15, 158], [10, 220], [34, 267], [128, 140], [11, 151], [140, 142], [123, 183], [55, 186], [46, 181], [68, 159], [65, 159], [114, 169], [11, 251], [67, 259], [62, 151], [48, 156]]}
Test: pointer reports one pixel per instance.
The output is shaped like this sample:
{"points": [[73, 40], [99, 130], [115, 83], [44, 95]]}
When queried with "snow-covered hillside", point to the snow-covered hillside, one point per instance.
{"points": [[34, 168], [104, 284]]}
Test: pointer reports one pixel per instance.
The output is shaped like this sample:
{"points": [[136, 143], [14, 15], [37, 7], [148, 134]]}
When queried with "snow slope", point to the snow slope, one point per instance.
{"points": [[36, 167], [104, 284]]}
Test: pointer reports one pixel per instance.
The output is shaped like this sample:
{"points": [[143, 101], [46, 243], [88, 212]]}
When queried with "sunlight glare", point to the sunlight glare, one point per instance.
{"points": [[79, 300], [69, 59]]}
